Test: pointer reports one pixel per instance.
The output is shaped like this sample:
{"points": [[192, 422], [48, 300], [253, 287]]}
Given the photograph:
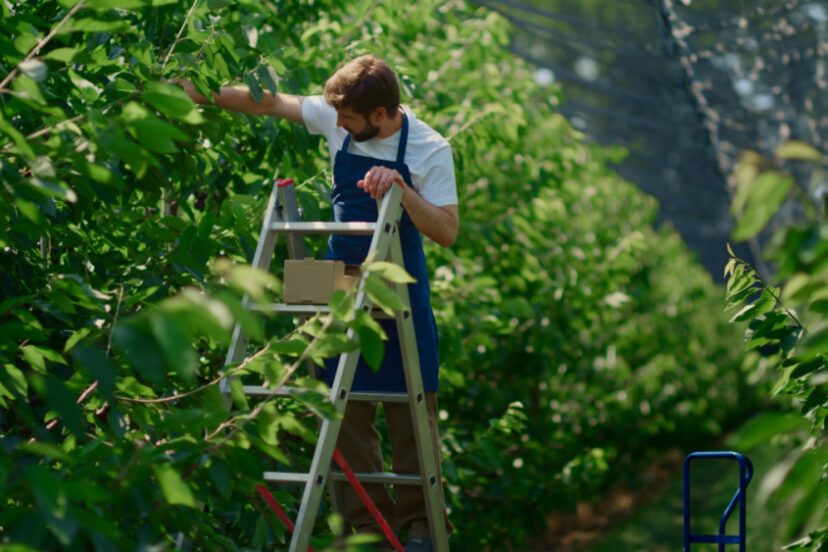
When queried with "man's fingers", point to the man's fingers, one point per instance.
{"points": [[379, 180]]}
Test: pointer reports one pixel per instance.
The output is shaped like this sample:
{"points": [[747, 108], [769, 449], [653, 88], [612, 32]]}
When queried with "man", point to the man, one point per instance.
{"points": [[376, 143]]}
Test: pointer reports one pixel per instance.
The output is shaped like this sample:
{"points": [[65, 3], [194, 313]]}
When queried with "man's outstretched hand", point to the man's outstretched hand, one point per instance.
{"points": [[190, 90]]}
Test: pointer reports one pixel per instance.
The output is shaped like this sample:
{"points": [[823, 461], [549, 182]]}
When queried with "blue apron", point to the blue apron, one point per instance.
{"points": [[352, 204]]}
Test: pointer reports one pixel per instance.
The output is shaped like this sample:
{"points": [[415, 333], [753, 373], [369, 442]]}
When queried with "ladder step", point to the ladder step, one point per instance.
{"points": [[364, 477], [301, 309], [324, 227], [259, 391]]}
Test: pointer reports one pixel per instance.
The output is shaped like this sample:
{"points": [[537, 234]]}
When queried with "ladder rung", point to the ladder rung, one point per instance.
{"points": [[378, 397], [324, 227], [259, 391], [363, 477], [306, 309]]}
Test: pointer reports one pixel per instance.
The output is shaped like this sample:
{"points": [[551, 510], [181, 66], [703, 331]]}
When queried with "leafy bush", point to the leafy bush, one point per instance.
{"points": [[577, 341], [786, 317]]}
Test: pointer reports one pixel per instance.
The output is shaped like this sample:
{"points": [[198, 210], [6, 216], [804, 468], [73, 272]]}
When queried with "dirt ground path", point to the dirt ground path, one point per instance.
{"points": [[576, 532]]}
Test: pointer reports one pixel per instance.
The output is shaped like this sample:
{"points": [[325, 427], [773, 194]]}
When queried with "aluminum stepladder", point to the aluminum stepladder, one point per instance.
{"points": [[282, 217], [740, 497]]}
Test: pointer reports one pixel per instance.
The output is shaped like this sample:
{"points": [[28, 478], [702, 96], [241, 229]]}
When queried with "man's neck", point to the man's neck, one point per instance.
{"points": [[391, 125]]}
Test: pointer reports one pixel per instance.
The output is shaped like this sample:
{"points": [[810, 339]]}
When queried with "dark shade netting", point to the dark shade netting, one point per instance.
{"points": [[684, 86]]}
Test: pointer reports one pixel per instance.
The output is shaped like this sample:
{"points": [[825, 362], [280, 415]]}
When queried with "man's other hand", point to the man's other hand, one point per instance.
{"points": [[379, 180]]}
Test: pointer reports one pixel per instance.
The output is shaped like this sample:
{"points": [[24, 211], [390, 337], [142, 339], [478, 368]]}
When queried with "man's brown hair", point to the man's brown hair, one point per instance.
{"points": [[364, 84]]}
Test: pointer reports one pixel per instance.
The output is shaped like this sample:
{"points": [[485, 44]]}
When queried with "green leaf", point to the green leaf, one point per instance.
{"points": [[141, 296], [268, 424], [174, 488], [291, 347], [802, 369], [373, 348], [176, 345], [141, 351], [383, 296], [75, 338], [237, 393], [815, 343], [14, 380], [99, 367], [315, 398], [218, 4], [746, 313], [362, 8], [769, 192], [106, 5], [60, 399], [34, 69], [18, 138], [92, 25], [264, 76], [251, 324], [157, 135], [46, 450], [796, 149], [255, 88], [172, 101], [390, 271], [762, 427], [37, 356], [64, 55], [221, 476]]}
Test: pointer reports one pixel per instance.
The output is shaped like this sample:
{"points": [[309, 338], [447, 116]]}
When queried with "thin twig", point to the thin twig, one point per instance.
{"points": [[178, 36], [470, 123], [43, 42], [115, 318], [86, 392], [198, 389], [242, 421]]}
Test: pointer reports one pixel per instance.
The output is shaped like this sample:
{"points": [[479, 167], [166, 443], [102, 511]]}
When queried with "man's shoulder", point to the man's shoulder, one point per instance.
{"points": [[421, 134]]}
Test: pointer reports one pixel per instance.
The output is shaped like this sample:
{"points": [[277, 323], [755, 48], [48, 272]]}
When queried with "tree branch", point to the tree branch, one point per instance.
{"points": [[43, 42], [178, 36]]}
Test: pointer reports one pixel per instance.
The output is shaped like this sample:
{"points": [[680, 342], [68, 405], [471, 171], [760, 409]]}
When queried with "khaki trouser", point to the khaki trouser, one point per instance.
{"points": [[359, 443]]}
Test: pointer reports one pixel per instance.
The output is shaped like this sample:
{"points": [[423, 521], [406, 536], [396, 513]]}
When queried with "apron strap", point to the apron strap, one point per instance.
{"points": [[403, 138]]}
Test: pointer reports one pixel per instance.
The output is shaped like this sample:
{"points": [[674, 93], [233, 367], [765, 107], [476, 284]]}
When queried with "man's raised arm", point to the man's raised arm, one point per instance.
{"points": [[238, 98]]}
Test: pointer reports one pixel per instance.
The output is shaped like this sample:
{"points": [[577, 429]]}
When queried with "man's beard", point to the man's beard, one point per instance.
{"points": [[370, 131]]}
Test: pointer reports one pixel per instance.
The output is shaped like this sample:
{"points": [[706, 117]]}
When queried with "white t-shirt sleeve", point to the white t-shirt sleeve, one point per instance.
{"points": [[319, 117], [438, 185]]}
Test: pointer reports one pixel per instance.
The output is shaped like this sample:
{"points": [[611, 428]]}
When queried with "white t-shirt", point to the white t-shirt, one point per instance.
{"points": [[427, 154]]}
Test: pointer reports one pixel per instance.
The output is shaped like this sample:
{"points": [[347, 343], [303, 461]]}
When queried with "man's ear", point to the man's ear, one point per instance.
{"points": [[378, 115]]}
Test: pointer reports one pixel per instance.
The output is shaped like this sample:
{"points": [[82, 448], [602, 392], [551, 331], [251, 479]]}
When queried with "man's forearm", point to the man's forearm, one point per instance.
{"points": [[438, 223], [238, 98]]}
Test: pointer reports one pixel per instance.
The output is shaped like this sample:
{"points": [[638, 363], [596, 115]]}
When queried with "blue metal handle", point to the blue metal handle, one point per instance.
{"points": [[740, 497]]}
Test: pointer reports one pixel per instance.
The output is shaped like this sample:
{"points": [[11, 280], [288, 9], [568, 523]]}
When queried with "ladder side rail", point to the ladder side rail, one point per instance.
{"points": [[261, 260], [384, 234], [431, 484], [289, 212]]}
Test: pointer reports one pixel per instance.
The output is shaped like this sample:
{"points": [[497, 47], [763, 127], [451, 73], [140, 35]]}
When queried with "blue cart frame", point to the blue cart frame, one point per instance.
{"points": [[745, 475]]}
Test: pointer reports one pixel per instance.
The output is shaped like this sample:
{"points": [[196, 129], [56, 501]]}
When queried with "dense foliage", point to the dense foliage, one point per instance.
{"points": [[787, 317], [577, 341]]}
